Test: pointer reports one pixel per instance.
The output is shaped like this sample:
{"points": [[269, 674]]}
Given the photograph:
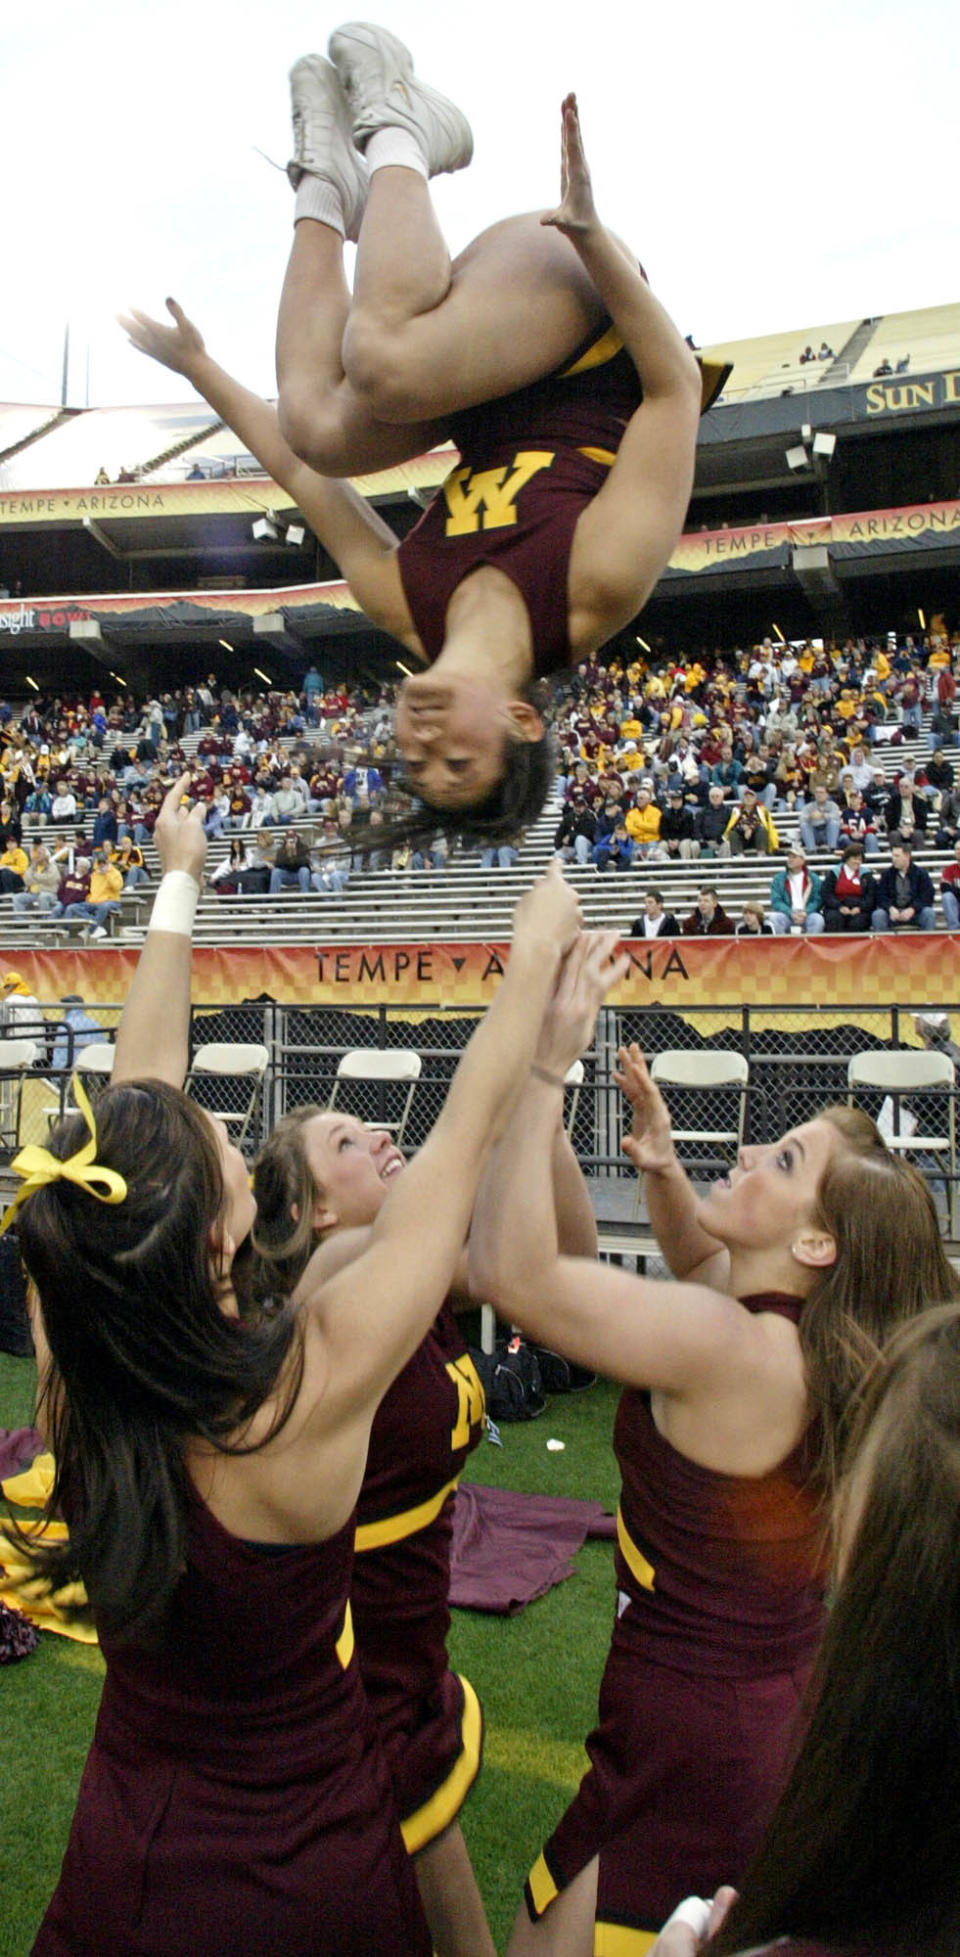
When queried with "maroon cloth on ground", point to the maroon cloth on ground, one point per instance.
{"points": [[509, 1548], [18, 1447]]}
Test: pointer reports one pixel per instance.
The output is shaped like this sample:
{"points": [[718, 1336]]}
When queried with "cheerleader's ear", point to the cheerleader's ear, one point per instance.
{"points": [[526, 722], [815, 1248]]}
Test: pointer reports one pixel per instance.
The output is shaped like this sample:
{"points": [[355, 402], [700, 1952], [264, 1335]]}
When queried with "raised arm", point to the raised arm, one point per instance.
{"points": [[688, 1249], [373, 1314], [576, 1226], [153, 1037], [346, 524], [625, 536], [673, 1338]]}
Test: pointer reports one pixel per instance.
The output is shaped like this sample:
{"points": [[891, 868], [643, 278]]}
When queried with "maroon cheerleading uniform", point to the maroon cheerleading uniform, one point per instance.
{"points": [[429, 1719], [235, 1800], [529, 464], [719, 1616]]}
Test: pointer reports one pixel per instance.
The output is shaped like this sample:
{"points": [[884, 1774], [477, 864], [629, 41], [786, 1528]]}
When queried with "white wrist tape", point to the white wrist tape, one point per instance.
{"points": [[175, 904], [694, 1912]]}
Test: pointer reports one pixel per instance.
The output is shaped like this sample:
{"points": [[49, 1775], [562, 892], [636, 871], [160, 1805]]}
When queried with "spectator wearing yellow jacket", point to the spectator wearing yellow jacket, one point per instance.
{"points": [[643, 825], [751, 829], [13, 867]]}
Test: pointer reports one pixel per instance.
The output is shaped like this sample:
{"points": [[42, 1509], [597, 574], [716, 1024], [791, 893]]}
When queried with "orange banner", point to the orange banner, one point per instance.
{"points": [[859, 531], [915, 970]]}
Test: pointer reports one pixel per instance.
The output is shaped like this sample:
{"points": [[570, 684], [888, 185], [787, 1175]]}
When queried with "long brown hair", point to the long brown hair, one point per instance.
{"points": [[286, 1189], [890, 1265], [862, 1849]]}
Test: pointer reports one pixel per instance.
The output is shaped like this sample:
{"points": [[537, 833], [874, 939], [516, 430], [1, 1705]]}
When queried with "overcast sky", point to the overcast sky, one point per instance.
{"points": [[775, 166]]}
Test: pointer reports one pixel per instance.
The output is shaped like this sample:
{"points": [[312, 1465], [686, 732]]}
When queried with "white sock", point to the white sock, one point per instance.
{"points": [[319, 199], [391, 147]]}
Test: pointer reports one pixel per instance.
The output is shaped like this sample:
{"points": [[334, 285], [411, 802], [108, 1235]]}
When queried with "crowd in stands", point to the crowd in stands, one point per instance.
{"points": [[713, 759], [725, 756]]}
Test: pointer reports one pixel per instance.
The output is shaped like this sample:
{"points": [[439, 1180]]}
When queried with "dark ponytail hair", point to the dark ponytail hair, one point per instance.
{"points": [[142, 1357], [862, 1849], [529, 772], [520, 795]]}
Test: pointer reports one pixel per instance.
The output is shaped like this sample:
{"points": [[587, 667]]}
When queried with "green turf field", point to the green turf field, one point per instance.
{"points": [[537, 1675]]}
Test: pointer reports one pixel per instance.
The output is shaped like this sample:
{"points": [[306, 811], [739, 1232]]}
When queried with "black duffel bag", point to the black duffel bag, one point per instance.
{"points": [[510, 1377]]}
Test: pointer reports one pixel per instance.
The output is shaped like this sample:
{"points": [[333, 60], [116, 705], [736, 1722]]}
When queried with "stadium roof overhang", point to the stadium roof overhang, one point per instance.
{"points": [[742, 444]]}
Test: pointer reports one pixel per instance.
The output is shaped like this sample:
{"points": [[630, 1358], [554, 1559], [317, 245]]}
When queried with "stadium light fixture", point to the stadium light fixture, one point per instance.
{"points": [[780, 638], [295, 534], [923, 622], [225, 643], [261, 675], [797, 458], [264, 530], [641, 642], [404, 669], [824, 444], [31, 682]]}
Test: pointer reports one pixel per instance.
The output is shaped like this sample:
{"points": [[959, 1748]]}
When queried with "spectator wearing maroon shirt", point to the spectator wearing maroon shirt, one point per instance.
{"points": [[848, 894], [74, 886], [238, 807], [911, 705], [708, 919]]}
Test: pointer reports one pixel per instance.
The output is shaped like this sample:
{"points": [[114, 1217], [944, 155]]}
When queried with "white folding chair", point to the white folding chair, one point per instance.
{"points": [[707, 1067], [95, 1058], [240, 1066], [386, 1067], [699, 1070], [912, 1070]]}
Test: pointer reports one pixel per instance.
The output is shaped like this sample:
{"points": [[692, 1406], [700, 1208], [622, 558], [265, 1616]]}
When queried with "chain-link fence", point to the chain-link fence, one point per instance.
{"points": [[797, 1060]]}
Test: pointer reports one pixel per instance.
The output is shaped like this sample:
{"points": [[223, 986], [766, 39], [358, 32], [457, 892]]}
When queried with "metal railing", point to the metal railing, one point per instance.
{"points": [[797, 1055]]}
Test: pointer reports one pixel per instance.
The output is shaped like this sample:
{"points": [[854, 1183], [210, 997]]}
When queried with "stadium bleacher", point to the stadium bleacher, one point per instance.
{"points": [[462, 902]]}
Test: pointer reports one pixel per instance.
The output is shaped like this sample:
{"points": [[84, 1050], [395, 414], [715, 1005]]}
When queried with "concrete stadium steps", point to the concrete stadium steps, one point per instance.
{"points": [[463, 903]]}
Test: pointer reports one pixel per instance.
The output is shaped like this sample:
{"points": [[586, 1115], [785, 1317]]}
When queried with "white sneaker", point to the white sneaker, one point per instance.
{"points": [[323, 144], [99, 931], [376, 71]]}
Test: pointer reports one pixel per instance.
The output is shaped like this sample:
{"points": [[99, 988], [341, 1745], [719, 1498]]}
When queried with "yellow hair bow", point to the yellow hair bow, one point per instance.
{"points": [[38, 1166]]}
